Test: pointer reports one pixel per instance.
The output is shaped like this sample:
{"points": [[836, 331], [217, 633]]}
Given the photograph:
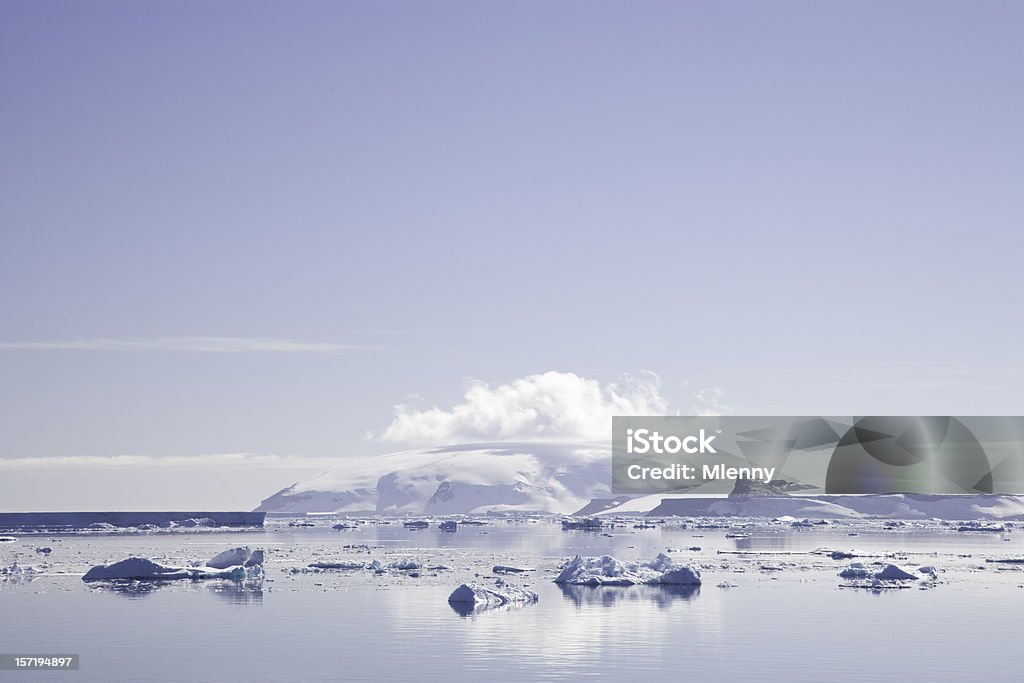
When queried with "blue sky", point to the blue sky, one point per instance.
{"points": [[813, 207]]}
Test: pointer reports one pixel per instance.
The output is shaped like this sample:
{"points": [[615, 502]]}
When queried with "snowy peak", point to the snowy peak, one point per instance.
{"points": [[463, 479]]}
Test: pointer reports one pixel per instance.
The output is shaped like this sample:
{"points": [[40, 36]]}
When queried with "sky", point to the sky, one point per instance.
{"points": [[240, 241]]}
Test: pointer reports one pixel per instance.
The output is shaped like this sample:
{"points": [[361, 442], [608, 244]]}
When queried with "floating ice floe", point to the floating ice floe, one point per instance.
{"points": [[889, 576], [475, 596], [17, 571], [504, 569], [608, 571], [7, 539], [985, 528], [249, 565], [405, 565], [244, 556], [337, 565], [588, 524], [410, 566], [193, 523]]}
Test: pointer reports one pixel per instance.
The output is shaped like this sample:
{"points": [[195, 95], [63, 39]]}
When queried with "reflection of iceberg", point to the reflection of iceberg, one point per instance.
{"points": [[663, 595], [130, 589], [236, 592]]}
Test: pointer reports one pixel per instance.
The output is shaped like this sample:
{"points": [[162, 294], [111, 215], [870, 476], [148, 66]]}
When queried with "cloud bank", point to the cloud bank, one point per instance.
{"points": [[193, 344], [555, 406], [191, 462]]}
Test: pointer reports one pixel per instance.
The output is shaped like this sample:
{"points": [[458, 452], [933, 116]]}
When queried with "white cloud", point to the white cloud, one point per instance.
{"points": [[711, 402], [548, 406], [194, 344], [212, 460]]}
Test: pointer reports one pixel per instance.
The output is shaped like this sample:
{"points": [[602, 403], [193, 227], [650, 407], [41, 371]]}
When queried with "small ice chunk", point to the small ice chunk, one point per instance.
{"points": [[478, 596], [890, 573], [337, 565], [406, 565], [244, 556], [15, 570], [857, 570], [504, 569], [194, 523], [894, 573], [681, 576]]}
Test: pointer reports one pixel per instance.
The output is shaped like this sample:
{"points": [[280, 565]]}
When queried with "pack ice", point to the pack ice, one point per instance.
{"points": [[608, 571], [236, 563]]}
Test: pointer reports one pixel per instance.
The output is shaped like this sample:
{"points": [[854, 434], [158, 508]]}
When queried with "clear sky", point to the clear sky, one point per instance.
{"points": [[254, 228]]}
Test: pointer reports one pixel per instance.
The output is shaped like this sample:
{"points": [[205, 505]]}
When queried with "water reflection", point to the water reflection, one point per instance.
{"points": [[464, 609], [238, 592], [608, 596], [235, 592], [129, 588], [767, 543]]}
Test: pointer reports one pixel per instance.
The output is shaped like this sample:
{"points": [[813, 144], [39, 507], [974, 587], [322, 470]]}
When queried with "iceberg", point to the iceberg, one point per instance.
{"points": [[894, 573], [244, 556], [889, 576], [249, 565], [608, 571]]}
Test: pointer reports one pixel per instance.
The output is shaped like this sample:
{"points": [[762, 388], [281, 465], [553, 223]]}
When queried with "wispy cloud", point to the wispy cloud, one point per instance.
{"points": [[189, 344], [211, 460]]}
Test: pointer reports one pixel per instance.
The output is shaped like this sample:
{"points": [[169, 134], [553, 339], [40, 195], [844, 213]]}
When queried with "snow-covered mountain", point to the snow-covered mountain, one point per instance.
{"points": [[473, 478], [573, 478]]}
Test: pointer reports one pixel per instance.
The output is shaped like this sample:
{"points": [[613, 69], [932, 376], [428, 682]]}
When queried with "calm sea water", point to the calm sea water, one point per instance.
{"points": [[785, 618]]}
